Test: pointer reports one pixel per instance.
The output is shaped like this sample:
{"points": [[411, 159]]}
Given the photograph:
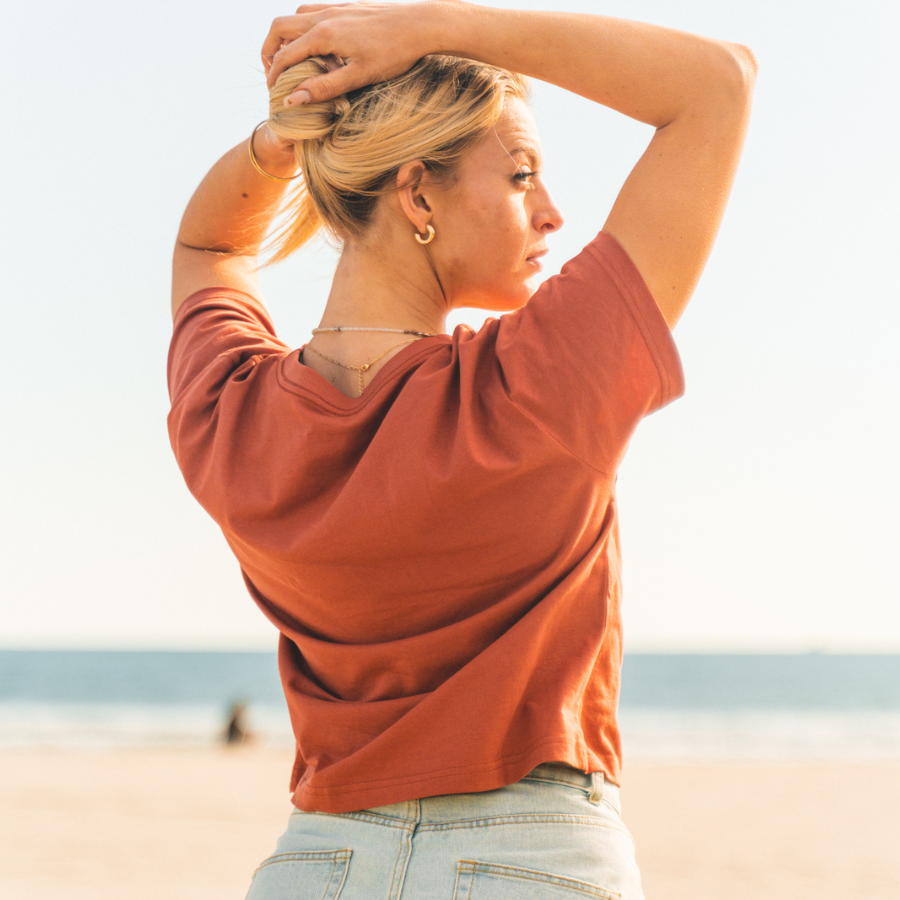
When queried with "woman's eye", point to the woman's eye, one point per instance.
{"points": [[525, 176]]}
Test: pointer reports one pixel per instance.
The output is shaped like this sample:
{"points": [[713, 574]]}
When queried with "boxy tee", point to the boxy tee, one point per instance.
{"points": [[441, 554]]}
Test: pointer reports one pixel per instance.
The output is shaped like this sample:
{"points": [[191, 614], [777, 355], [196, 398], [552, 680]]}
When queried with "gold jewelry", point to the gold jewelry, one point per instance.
{"points": [[354, 328], [430, 237], [255, 162], [364, 368]]}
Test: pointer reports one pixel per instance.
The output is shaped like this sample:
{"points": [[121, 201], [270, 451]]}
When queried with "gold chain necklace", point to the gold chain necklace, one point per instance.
{"points": [[366, 366]]}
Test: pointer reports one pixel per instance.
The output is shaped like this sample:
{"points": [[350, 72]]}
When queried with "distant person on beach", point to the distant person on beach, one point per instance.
{"points": [[429, 519], [236, 731]]}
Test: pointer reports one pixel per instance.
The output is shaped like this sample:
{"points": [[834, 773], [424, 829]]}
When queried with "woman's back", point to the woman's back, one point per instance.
{"points": [[441, 553]]}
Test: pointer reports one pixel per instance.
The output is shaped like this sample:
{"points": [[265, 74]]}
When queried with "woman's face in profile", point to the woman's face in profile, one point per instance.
{"points": [[494, 222]]}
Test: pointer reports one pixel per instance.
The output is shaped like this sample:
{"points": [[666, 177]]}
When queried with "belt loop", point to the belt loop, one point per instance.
{"points": [[596, 795]]}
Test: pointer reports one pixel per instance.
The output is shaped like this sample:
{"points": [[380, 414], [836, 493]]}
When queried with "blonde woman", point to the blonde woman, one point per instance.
{"points": [[429, 519]]}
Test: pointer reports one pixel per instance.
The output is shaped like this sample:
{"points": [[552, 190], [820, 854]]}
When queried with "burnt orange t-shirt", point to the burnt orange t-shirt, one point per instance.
{"points": [[441, 554]]}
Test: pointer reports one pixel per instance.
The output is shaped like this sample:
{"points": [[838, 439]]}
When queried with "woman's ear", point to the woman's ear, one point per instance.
{"points": [[414, 186]]}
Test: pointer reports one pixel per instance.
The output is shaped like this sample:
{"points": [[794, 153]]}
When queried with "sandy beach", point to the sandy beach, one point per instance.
{"points": [[194, 823]]}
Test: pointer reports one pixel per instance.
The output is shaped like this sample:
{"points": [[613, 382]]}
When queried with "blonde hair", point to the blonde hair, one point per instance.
{"points": [[350, 149]]}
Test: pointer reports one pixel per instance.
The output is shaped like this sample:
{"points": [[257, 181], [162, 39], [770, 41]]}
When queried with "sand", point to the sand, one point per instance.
{"points": [[171, 823]]}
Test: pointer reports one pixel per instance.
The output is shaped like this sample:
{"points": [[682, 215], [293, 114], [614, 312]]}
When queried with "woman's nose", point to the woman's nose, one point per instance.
{"points": [[549, 217]]}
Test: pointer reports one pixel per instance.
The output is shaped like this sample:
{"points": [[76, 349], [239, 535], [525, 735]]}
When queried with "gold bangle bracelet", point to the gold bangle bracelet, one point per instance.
{"points": [[255, 162]]}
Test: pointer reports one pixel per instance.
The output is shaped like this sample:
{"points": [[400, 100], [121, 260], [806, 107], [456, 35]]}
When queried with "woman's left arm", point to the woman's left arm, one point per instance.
{"points": [[228, 218]]}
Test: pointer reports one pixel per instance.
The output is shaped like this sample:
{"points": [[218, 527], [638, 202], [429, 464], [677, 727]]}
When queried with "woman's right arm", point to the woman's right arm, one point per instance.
{"points": [[695, 91]]}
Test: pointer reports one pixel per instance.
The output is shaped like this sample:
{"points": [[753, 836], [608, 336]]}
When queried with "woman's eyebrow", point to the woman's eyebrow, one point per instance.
{"points": [[533, 155], [525, 147]]}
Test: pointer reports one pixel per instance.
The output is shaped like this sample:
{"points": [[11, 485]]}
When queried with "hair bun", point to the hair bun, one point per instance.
{"points": [[309, 121]]}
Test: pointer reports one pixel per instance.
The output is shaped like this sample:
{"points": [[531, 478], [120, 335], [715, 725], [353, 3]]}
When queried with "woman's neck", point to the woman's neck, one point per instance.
{"points": [[374, 287]]}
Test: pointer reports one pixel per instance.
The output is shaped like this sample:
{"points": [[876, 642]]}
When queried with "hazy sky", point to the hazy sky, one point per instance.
{"points": [[759, 511]]}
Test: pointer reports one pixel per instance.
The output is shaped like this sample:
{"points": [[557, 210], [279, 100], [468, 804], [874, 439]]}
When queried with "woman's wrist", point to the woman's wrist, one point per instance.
{"points": [[274, 154], [447, 25]]}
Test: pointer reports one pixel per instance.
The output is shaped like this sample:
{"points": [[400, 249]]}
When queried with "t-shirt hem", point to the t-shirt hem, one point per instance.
{"points": [[357, 796]]}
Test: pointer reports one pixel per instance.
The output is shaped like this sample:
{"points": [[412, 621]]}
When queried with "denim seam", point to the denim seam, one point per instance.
{"points": [[578, 787], [394, 870], [374, 818], [331, 875], [340, 887], [306, 856], [534, 819], [405, 851], [473, 867]]}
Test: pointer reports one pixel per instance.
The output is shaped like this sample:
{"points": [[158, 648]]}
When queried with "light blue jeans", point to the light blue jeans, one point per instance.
{"points": [[555, 835]]}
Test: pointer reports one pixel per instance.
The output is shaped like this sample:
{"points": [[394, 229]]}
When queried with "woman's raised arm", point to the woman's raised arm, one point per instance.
{"points": [[228, 218], [694, 90]]}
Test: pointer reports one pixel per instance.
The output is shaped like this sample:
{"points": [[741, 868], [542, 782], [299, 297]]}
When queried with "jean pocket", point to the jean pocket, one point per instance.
{"points": [[302, 875], [487, 881]]}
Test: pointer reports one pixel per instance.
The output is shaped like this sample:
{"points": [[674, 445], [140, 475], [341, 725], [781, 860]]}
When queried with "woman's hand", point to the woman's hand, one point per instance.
{"points": [[375, 42]]}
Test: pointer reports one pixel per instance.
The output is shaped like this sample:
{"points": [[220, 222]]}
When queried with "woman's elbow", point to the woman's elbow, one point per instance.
{"points": [[744, 64]]}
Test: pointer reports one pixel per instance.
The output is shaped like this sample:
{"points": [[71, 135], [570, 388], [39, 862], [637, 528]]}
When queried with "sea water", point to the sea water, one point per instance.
{"points": [[673, 706]]}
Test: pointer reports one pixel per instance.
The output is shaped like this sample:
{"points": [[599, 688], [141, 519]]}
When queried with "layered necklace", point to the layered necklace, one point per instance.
{"points": [[364, 368]]}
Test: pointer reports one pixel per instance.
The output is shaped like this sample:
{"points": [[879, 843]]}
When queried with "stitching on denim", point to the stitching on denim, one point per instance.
{"points": [[525, 819], [596, 795], [394, 871], [456, 884], [306, 856], [330, 884], [548, 780], [574, 884], [374, 818], [340, 887], [406, 842], [405, 851]]}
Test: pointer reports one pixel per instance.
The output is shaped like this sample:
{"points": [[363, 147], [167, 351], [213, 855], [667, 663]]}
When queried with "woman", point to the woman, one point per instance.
{"points": [[429, 519]]}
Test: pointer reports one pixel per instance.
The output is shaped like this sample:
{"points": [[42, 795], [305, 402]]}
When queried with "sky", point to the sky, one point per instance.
{"points": [[759, 512]]}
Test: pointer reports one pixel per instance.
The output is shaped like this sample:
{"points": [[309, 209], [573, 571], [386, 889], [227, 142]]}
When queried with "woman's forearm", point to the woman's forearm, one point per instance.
{"points": [[233, 208], [647, 72]]}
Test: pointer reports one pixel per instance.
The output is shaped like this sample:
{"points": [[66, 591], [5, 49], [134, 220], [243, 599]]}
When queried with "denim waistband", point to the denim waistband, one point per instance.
{"points": [[594, 783], [450, 807], [495, 843]]}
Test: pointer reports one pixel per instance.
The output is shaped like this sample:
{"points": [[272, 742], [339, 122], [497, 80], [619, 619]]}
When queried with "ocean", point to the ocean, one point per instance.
{"points": [[673, 706]]}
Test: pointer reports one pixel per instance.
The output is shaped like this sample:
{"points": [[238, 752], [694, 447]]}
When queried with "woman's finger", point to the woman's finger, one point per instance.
{"points": [[326, 87], [284, 29], [295, 52], [288, 28]]}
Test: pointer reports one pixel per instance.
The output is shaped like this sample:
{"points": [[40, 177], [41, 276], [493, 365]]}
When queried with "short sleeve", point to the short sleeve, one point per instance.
{"points": [[215, 332], [218, 378], [590, 354]]}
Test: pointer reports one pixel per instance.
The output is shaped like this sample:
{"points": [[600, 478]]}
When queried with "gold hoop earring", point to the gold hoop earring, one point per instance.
{"points": [[427, 240]]}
